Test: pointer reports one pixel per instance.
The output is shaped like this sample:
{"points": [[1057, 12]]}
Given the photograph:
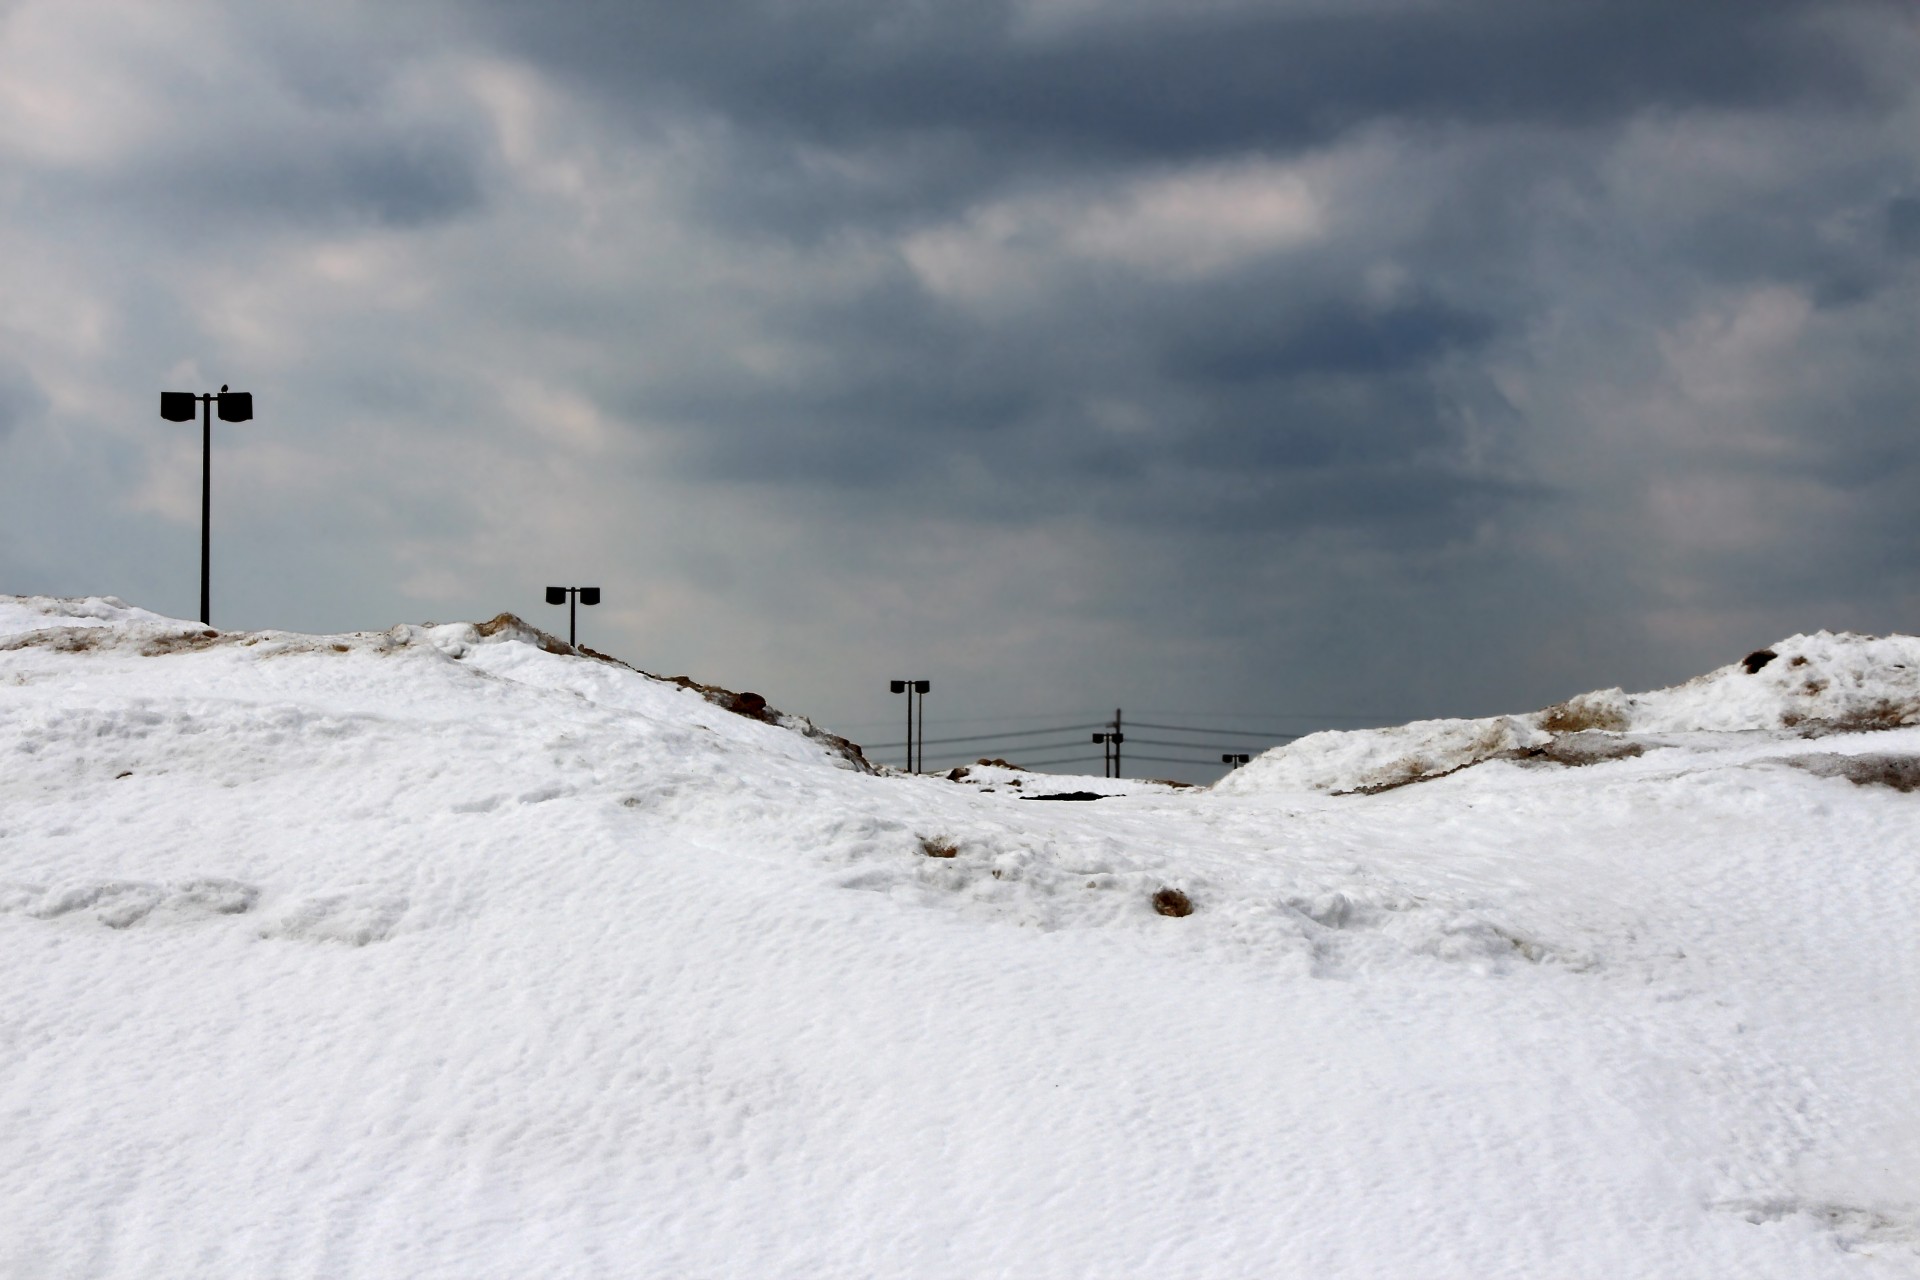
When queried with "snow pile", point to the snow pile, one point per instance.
{"points": [[1342, 760], [1822, 683], [449, 950]]}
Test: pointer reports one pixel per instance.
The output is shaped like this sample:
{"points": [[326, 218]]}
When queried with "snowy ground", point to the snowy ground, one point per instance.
{"points": [[432, 953]]}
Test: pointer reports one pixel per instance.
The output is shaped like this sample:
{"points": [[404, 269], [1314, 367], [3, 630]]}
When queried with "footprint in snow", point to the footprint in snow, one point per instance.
{"points": [[338, 917], [120, 904]]}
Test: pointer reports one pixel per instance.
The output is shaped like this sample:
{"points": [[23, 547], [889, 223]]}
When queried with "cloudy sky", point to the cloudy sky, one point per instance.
{"points": [[1275, 363]]}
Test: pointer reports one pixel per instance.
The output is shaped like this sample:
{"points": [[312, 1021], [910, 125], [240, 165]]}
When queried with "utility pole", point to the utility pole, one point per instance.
{"points": [[916, 747], [588, 596], [178, 406]]}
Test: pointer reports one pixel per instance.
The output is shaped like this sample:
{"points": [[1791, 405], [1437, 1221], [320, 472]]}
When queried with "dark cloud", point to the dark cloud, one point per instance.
{"points": [[404, 182], [1180, 83], [1447, 357], [1336, 339]]}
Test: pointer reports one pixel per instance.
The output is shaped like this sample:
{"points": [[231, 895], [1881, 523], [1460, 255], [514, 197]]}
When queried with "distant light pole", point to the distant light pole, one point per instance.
{"points": [[1234, 759], [567, 595], [235, 406], [1110, 754], [914, 689]]}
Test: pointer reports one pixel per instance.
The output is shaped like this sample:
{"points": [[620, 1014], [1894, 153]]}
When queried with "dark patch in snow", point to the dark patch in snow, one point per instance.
{"points": [[1902, 773], [58, 640], [1757, 659], [1882, 713], [1172, 902], [184, 642], [1855, 1228], [1589, 746], [1577, 715], [1572, 750]]}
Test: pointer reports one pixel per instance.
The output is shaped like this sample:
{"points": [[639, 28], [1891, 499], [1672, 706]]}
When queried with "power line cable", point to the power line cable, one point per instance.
{"points": [[993, 745], [981, 752], [1232, 733], [945, 719], [1278, 715], [1168, 742], [1170, 760], [1036, 764], [993, 737]]}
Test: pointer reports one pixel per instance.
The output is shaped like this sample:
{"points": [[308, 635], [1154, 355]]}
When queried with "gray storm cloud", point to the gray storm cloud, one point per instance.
{"points": [[1397, 358]]}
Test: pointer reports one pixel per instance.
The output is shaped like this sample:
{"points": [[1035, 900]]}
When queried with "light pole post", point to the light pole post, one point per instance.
{"points": [[1108, 745], [916, 747], [178, 406], [573, 597]]}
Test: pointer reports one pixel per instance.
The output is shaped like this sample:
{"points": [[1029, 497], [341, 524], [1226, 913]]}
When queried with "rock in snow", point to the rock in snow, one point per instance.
{"points": [[451, 951]]}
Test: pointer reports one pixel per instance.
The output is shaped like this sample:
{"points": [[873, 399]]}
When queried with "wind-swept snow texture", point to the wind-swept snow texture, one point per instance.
{"points": [[435, 953]]}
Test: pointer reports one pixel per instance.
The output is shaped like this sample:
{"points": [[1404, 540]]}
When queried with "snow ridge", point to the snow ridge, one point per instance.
{"points": [[450, 950], [1804, 686]]}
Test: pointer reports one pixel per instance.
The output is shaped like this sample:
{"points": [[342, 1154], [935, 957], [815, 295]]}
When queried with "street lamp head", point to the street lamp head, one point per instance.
{"points": [[589, 595], [897, 686], [177, 406], [921, 686], [556, 595], [235, 406]]}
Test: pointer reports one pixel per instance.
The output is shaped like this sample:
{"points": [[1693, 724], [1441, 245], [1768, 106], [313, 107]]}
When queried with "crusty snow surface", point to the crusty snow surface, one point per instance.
{"points": [[433, 953]]}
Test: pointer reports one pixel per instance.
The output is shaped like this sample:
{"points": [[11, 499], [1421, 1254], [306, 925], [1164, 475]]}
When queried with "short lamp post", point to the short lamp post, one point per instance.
{"points": [[1234, 759], [178, 406], [916, 748], [1110, 752], [568, 596]]}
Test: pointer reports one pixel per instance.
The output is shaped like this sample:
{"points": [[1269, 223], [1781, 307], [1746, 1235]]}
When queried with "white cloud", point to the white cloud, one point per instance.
{"points": [[1182, 225]]}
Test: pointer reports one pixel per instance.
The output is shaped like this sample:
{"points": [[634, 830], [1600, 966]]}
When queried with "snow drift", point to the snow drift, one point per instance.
{"points": [[452, 951], [1808, 685]]}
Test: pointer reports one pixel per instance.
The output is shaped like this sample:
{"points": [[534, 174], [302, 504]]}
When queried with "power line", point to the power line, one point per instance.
{"points": [[1035, 764], [993, 737], [1234, 733], [1031, 746], [1032, 715], [1280, 715], [1170, 760], [1162, 741]]}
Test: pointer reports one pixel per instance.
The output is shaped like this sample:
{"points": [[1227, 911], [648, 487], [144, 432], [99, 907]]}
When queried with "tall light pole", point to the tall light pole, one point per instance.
{"points": [[914, 689], [178, 406], [588, 596], [1234, 759]]}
